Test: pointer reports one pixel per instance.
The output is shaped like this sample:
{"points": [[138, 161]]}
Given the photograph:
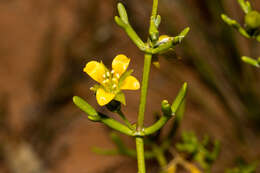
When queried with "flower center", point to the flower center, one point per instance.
{"points": [[110, 81]]}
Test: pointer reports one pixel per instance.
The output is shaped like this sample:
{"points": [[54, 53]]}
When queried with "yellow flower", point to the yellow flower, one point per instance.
{"points": [[111, 82]]}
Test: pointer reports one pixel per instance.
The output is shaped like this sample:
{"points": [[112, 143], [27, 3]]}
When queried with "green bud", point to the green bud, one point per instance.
{"points": [[166, 108], [157, 21], [88, 109], [252, 19], [153, 30]]}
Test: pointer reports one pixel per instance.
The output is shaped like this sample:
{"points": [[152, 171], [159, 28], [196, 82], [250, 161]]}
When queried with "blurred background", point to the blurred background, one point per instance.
{"points": [[45, 45]]}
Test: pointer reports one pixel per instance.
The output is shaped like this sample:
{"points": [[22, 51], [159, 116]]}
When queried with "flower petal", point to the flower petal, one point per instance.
{"points": [[130, 83], [104, 97], [95, 70], [120, 64]]}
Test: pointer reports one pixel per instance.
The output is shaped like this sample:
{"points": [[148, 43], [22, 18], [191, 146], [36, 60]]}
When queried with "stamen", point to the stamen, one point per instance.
{"points": [[105, 81], [108, 74], [113, 71], [114, 86], [104, 75], [114, 79], [117, 75]]}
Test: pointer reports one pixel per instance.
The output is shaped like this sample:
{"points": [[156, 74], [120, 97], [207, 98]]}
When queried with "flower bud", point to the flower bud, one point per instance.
{"points": [[252, 19], [166, 108]]}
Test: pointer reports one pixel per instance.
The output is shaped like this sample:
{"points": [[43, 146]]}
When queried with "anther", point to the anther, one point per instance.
{"points": [[105, 81], [114, 86], [114, 79]]}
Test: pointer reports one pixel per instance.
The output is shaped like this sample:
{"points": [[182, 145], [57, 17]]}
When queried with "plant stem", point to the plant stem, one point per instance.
{"points": [[156, 126], [142, 106], [140, 122], [140, 154], [116, 125], [155, 7], [146, 72]]}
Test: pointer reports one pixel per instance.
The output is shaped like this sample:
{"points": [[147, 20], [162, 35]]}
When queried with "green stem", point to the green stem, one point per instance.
{"points": [[116, 125], [142, 106], [155, 7], [156, 126], [126, 121], [140, 154], [146, 72], [140, 122]]}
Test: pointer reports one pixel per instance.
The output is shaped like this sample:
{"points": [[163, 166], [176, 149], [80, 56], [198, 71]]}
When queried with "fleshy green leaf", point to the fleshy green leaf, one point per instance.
{"points": [[251, 61], [119, 22], [157, 21], [178, 39], [88, 109], [122, 13], [245, 5], [230, 21], [184, 32], [179, 99]]}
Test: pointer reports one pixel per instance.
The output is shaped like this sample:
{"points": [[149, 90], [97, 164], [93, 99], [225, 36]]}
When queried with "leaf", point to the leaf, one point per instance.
{"points": [[157, 21], [88, 109], [245, 5], [179, 99], [251, 61], [122, 13], [121, 98], [184, 32], [178, 39], [119, 22], [230, 21]]}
